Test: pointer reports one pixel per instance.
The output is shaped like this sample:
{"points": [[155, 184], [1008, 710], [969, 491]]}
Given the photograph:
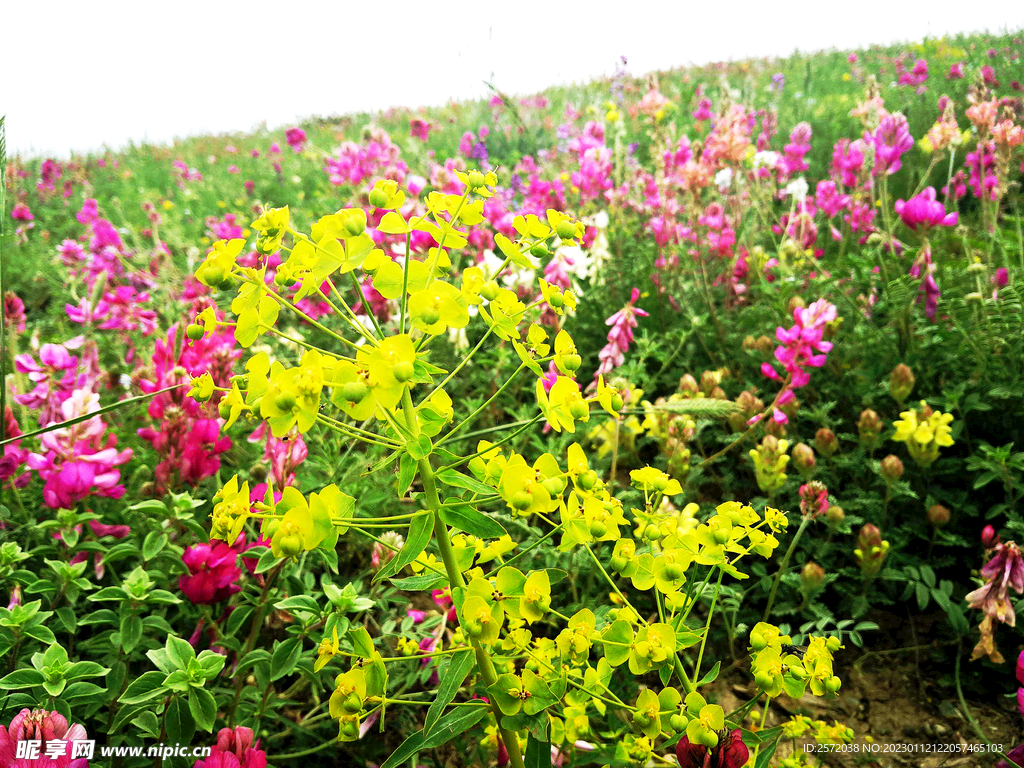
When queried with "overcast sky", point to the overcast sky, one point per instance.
{"points": [[78, 76]]}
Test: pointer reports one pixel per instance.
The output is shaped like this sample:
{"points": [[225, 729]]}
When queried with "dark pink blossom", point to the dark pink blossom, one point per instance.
{"points": [[923, 211]]}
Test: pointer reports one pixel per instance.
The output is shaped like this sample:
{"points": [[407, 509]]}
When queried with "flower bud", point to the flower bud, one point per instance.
{"points": [[749, 343], [566, 230], [194, 331], [835, 516], [688, 385], [378, 197], [869, 427], [938, 515], [490, 290], [871, 550], [892, 468], [901, 383], [825, 441], [811, 578], [989, 537], [803, 459], [765, 345], [813, 499], [796, 303]]}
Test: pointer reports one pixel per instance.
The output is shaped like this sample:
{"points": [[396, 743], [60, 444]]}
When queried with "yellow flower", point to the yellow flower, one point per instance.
{"points": [[327, 650], [216, 269], [391, 368], [924, 431]]}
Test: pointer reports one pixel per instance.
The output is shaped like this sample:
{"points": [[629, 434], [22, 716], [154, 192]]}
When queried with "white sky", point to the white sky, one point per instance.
{"points": [[80, 75]]}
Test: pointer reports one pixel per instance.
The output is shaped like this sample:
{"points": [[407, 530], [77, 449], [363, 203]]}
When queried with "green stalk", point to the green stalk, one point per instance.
{"points": [[455, 578], [783, 566]]}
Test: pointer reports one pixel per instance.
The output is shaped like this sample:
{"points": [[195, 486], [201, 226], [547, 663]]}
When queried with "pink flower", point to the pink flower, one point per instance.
{"points": [[419, 128], [14, 312], [40, 725], [924, 211], [234, 749], [1003, 572], [891, 140], [212, 573], [416, 616], [956, 71], [21, 212], [296, 138], [620, 337]]}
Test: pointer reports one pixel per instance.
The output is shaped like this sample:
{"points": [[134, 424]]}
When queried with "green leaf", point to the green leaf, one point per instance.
{"points": [[82, 690], [922, 596], [766, 754], [21, 678], [419, 536], [131, 631], [153, 544], [447, 728], [538, 753], [711, 676], [238, 617], [428, 580], [203, 708], [472, 521], [181, 726], [82, 669], [148, 723], [180, 652], [458, 669], [456, 479], [286, 656], [928, 575], [148, 686], [419, 448]]}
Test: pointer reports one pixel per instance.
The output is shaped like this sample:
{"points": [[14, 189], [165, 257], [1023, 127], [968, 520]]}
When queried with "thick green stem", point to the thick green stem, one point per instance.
{"points": [[783, 566], [455, 579]]}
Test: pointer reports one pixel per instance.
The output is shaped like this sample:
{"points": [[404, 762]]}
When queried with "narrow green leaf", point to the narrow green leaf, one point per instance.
{"points": [[459, 667]]}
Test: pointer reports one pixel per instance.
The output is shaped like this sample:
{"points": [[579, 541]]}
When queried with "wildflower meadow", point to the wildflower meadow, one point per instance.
{"points": [[671, 419]]}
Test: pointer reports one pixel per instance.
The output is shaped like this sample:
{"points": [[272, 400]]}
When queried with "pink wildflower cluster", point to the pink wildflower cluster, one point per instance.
{"points": [[42, 726], [802, 347], [79, 460], [620, 337], [378, 157], [187, 438]]}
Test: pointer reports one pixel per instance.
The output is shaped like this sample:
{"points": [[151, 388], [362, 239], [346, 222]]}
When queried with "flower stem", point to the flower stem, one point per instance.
{"points": [[783, 566]]}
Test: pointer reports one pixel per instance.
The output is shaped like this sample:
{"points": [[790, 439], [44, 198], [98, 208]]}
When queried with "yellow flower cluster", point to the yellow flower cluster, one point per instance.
{"points": [[924, 431]]}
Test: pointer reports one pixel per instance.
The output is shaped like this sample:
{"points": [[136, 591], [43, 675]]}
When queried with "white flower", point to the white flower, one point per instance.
{"points": [[723, 179], [798, 188], [600, 219], [766, 159]]}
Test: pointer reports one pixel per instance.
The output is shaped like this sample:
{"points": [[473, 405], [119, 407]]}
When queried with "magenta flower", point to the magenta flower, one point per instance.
{"points": [[731, 752], [891, 139], [235, 749], [21, 212], [213, 573], [419, 128], [296, 138], [40, 725], [956, 71], [924, 211]]}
